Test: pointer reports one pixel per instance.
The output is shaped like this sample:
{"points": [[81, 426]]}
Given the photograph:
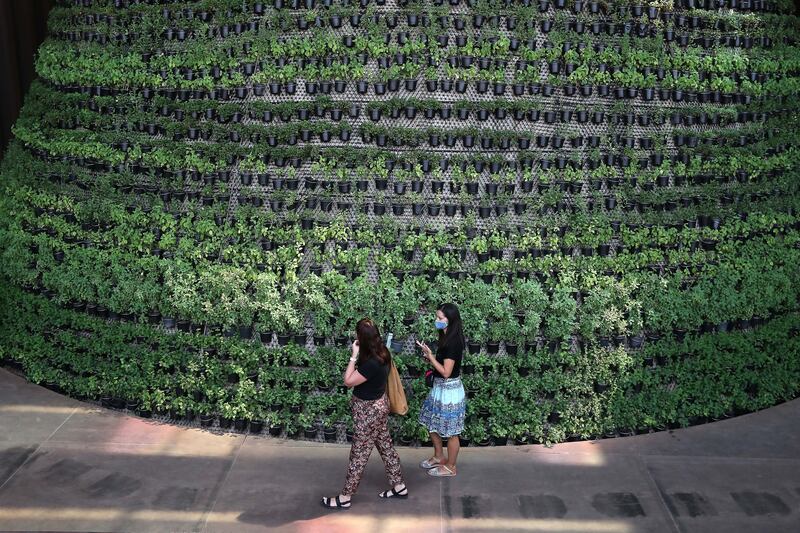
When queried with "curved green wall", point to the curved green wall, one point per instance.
{"points": [[204, 197]]}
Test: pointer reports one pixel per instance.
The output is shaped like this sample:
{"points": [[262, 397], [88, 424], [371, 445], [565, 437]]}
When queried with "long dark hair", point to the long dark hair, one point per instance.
{"points": [[455, 327], [370, 342]]}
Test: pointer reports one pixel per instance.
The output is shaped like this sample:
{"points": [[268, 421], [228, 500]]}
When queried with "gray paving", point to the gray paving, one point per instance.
{"points": [[69, 466]]}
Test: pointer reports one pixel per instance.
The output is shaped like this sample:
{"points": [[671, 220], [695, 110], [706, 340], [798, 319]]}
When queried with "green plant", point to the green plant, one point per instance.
{"points": [[560, 317]]}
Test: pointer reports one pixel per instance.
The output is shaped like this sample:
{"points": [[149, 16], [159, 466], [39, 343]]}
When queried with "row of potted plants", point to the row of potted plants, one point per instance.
{"points": [[704, 184], [212, 115], [685, 198], [283, 47], [755, 193], [688, 180], [260, 226], [233, 12], [195, 157], [635, 397], [579, 67], [239, 297], [517, 19]]}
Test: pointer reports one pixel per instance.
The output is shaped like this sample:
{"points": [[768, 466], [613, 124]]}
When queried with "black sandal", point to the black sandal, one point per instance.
{"points": [[403, 493], [326, 502]]}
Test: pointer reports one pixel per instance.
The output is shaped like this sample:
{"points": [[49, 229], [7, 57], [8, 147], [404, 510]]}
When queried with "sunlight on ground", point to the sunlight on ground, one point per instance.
{"points": [[167, 440], [574, 456], [374, 524], [33, 409], [329, 523]]}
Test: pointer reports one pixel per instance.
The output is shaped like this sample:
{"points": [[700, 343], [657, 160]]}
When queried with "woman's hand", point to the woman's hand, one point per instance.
{"points": [[426, 351], [355, 348]]}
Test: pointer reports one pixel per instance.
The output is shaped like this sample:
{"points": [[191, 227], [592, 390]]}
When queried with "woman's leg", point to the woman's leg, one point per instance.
{"points": [[437, 447], [453, 446], [454, 442], [425, 420], [383, 441], [361, 448]]}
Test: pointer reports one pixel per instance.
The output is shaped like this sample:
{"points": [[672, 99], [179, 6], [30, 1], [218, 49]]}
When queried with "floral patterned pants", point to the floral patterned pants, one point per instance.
{"points": [[370, 429]]}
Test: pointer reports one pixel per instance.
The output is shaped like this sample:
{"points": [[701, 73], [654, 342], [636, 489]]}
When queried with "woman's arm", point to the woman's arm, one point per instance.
{"points": [[444, 369], [351, 376]]}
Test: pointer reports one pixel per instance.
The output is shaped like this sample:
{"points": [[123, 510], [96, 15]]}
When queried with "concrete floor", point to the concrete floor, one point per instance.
{"points": [[69, 466]]}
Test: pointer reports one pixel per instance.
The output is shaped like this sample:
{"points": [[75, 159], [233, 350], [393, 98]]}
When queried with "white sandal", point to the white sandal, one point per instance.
{"points": [[435, 472], [427, 464]]}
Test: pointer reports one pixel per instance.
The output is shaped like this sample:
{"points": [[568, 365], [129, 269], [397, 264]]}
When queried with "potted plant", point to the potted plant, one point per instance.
{"points": [[306, 422]]}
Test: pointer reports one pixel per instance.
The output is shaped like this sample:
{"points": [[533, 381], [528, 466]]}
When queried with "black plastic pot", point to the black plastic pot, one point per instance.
{"points": [[256, 426], [405, 440], [330, 434]]}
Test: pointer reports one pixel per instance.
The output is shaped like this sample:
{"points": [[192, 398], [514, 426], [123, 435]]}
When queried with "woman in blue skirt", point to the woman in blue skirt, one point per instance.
{"points": [[444, 409]]}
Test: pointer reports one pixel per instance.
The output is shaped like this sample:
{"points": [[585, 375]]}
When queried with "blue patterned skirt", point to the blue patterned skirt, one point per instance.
{"points": [[445, 408]]}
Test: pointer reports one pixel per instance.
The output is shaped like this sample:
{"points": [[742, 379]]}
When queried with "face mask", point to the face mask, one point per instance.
{"points": [[440, 325]]}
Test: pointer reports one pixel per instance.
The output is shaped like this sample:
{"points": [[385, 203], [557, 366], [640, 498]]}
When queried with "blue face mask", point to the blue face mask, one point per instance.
{"points": [[440, 325]]}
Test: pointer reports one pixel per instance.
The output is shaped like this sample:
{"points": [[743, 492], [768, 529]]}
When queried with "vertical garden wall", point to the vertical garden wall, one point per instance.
{"points": [[204, 197]]}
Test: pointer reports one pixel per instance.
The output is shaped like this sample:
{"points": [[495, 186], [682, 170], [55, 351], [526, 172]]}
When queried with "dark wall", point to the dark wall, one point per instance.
{"points": [[23, 27]]}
